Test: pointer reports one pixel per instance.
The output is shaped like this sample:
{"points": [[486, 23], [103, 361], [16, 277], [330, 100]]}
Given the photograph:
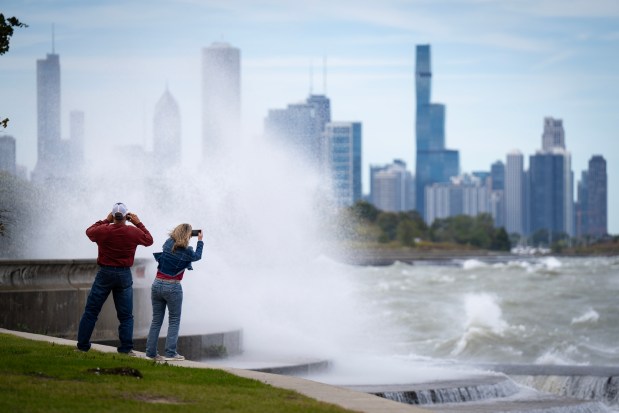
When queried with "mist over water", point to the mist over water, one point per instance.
{"points": [[270, 268]]}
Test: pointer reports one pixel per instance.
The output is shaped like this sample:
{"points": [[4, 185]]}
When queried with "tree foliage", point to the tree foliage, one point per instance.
{"points": [[365, 211], [6, 31], [405, 228], [476, 231], [7, 26]]}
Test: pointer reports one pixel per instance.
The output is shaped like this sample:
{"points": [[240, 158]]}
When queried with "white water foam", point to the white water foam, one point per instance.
{"points": [[483, 316], [473, 264], [590, 316]]}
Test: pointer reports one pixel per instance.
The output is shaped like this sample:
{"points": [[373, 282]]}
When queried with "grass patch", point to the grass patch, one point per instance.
{"points": [[45, 377]]}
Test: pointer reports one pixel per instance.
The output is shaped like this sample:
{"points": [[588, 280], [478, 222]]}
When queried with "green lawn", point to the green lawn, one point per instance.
{"points": [[44, 377]]}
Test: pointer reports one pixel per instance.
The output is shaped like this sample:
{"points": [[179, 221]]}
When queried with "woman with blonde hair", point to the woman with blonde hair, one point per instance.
{"points": [[166, 290]]}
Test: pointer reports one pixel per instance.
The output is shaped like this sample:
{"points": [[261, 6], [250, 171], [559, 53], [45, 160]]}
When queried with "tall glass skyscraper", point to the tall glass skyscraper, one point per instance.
{"points": [[546, 173], [221, 98], [167, 131], [554, 134], [553, 141], [392, 187], [300, 127], [434, 163], [48, 116], [597, 197], [343, 142], [514, 193], [7, 154]]}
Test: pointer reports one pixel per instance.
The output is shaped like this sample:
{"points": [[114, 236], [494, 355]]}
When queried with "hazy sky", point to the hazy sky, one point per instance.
{"points": [[499, 66]]}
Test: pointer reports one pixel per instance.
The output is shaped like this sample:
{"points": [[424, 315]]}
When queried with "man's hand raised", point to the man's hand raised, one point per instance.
{"points": [[133, 218]]}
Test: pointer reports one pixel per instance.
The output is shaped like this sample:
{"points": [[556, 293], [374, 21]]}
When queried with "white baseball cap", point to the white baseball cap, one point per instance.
{"points": [[119, 210]]}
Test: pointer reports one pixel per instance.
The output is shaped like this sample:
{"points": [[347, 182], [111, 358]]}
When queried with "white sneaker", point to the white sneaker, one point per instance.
{"points": [[176, 357], [156, 358]]}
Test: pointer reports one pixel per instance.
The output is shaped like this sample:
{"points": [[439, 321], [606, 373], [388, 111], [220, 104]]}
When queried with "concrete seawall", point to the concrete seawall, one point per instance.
{"points": [[48, 297]]}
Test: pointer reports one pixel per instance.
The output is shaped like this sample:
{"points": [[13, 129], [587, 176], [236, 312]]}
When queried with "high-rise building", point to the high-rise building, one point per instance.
{"points": [[343, 146], [322, 110], [497, 193], [76, 139], [582, 206], [434, 163], [568, 201], [553, 135], [463, 195], [221, 99], [548, 184], [514, 193], [392, 187], [300, 127], [597, 197], [167, 131], [48, 117], [497, 172], [550, 207], [7, 155]]}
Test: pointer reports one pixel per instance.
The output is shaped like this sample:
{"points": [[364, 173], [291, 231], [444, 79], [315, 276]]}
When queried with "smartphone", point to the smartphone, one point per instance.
{"points": [[195, 232]]}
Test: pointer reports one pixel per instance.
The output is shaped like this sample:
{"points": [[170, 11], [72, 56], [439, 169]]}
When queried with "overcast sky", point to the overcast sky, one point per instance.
{"points": [[499, 66]]}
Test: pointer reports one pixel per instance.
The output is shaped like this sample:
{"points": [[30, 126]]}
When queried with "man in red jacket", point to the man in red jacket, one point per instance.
{"points": [[117, 243]]}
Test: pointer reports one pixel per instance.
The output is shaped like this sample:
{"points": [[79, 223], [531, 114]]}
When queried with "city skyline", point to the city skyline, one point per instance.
{"points": [[498, 81]]}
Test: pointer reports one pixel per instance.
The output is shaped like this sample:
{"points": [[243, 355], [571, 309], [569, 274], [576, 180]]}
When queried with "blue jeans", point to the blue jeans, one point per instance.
{"points": [[171, 295], [119, 282]]}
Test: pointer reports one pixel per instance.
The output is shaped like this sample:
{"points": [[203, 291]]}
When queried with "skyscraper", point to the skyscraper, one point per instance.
{"points": [[48, 116], [221, 98], [463, 195], [301, 126], [497, 172], [167, 131], [581, 207], [554, 135], [545, 207], [76, 138], [597, 197], [553, 140], [514, 193], [434, 163], [497, 193], [547, 174], [322, 110], [343, 146], [7, 154], [392, 187]]}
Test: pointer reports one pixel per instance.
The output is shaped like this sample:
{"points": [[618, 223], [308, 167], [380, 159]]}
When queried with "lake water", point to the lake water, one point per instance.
{"points": [[531, 310], [377, 320]]}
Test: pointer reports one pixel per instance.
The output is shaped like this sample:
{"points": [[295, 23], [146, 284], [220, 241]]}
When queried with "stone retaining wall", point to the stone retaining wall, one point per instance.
{"points": [[48, 297]]}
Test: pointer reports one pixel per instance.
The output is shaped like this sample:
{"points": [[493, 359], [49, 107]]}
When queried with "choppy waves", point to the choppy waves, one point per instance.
{"points": [[531, 310]]}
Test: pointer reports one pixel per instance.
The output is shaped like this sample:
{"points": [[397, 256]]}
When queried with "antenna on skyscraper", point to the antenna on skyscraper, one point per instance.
{"points": [[311, 77], [324, 75]]}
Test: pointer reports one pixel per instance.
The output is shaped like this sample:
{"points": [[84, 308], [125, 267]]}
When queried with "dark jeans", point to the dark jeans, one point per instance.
{"points": [[119, 282]]}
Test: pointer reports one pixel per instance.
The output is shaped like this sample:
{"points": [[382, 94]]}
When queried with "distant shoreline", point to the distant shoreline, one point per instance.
{"points": [[384, 257]]}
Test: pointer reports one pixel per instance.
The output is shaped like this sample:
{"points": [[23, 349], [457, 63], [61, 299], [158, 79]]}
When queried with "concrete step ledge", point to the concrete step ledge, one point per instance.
{"points": [[196, 346]]}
